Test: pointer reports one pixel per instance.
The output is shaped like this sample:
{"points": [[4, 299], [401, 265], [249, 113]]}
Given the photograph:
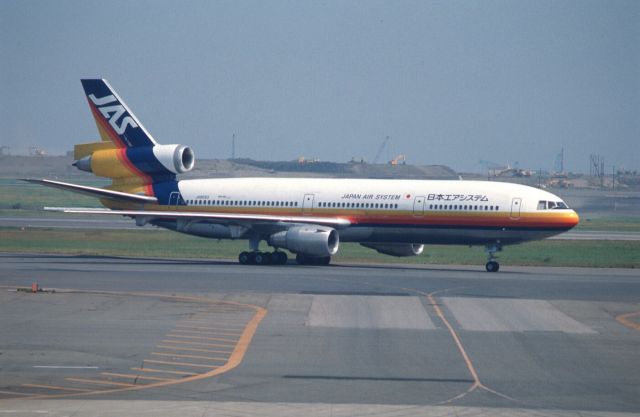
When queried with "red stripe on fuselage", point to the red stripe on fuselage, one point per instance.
{"points": [[444, 220]]}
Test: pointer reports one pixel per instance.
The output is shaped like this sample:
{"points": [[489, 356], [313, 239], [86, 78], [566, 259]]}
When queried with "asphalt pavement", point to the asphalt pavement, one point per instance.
{"points": [[147, 337]]}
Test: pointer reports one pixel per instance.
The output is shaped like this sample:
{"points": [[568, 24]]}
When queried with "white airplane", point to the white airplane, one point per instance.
{"points": [[308, 217]]}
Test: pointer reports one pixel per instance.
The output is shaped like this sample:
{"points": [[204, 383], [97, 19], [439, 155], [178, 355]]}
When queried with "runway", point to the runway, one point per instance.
{"points": [[339, 340]]}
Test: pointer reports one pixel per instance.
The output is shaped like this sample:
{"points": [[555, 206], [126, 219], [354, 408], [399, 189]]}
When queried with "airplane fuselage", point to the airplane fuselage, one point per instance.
{"points": [[394, 211]]}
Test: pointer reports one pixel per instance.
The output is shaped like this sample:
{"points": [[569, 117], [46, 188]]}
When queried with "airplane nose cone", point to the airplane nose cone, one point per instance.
{"points": [[574, 219]]}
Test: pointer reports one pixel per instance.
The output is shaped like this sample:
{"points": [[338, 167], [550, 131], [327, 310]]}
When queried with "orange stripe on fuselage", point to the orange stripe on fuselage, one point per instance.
{"points": [[565, 220]]}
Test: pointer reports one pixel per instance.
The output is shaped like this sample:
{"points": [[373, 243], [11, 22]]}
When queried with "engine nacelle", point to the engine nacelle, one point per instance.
{"points": [[396, 249], [176, 158], [150, 160], [316, 241]]}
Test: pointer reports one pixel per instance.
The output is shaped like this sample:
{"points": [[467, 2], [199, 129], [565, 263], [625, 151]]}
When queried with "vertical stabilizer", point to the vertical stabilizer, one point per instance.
{"points": [[115, 122]]}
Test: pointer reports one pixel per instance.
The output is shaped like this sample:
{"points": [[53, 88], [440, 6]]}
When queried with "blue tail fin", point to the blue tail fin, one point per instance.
{"points": [[116, 123]]}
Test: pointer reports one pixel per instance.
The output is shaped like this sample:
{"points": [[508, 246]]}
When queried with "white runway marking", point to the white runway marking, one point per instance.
{"points": [[369, 312], [511, 315], [65, 367]]}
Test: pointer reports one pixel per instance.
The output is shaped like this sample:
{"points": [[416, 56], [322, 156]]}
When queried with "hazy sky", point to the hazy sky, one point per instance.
{"points": [[451, 82]]}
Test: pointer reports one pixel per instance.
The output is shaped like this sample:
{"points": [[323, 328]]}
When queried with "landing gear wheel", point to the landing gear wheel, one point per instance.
{"points": [[243, 258], [263, 258], [279, 258], [252, 258], [492, 266]]}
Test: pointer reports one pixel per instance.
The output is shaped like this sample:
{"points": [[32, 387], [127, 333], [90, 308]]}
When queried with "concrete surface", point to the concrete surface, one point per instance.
{"points": [[382, 340]]}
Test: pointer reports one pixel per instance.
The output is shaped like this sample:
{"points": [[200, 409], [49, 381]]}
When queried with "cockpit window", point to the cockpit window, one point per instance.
{"points": [[551, 205]]}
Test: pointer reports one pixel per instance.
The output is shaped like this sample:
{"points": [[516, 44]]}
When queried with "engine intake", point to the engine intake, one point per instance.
{"points": [[396, 249], [176, 158], [316, 241]]}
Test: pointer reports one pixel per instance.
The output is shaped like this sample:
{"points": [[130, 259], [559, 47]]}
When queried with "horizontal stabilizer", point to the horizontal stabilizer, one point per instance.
{"points": [[96, 192]]}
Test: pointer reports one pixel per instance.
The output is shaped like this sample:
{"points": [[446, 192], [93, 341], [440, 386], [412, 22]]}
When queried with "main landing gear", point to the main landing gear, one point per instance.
{"points": [[492, 265], [263, 258]]}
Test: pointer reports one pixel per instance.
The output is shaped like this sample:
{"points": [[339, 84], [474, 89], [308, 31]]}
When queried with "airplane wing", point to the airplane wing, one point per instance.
{"points": [[95, 192], [142, 217], [145, 216]]}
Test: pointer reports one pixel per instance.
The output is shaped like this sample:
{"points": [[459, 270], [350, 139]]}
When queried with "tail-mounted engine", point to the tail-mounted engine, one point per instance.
{"points": [[111, 162]]}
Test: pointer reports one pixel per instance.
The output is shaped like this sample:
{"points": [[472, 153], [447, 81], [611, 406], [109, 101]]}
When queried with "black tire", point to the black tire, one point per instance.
{"points": [[263, 258], [243, 258], [279, 258], [492, 266], [252, 258], [323, 261]]}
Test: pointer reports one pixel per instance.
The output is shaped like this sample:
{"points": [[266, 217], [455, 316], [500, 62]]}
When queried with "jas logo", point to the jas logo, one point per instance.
{"points": [[113, 112]]}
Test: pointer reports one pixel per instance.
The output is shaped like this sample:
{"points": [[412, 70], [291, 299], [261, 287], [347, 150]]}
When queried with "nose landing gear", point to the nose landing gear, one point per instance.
{"points": [[493, 265]]}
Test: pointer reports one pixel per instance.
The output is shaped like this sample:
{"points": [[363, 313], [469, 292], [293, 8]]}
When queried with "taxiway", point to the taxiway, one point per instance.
{"points": [[399, 340]]}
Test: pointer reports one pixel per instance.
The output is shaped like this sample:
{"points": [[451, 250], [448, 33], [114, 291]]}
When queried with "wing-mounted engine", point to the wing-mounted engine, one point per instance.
{"points": [[112, 162], [396, 249], [311, 240]]}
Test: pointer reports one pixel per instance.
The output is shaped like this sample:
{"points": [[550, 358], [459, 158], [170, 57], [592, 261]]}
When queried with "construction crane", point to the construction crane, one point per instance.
{"points": [[383, 145]]}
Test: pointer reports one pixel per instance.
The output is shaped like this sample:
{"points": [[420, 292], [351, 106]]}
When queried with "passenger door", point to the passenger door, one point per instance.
{"points": [[175, 199], [516, 202], [418, 206], [307, 204]]}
